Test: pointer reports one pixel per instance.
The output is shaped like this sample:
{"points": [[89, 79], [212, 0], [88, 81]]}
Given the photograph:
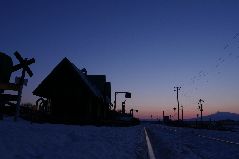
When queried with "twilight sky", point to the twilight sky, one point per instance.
{"points": [[143, 46]]}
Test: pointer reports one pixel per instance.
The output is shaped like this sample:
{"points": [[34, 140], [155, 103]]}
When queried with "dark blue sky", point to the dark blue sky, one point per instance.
{"points": [[146, 47]]}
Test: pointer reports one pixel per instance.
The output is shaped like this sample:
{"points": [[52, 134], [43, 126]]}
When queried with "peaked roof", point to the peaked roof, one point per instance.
{"points": [[98, 80], [66, 63]]}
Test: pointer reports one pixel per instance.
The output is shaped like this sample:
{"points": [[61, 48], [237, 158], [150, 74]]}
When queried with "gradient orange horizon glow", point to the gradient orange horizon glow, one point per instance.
{"points": [[188, 112]]}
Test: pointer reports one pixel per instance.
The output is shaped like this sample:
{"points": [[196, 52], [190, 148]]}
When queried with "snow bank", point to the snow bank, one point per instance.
{"points": [[22, 140]]}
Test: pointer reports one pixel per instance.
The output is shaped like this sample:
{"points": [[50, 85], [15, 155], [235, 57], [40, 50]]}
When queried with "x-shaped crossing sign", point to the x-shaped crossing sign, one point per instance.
{"points": [[24, 64]]}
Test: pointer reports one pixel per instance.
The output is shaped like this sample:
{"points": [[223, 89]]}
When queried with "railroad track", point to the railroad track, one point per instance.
{"points": [[205, 136], [149, 145]]}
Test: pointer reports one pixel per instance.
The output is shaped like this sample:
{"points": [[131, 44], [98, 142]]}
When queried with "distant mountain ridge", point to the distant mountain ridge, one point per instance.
{"points": [[220, 116]]}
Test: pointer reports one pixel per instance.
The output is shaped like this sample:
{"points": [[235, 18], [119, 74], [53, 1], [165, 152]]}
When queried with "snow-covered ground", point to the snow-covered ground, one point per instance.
{"points": [[186, 143], [22, 140]]}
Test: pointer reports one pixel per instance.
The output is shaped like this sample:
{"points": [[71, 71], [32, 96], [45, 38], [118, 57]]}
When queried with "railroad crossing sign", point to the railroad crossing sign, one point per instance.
{"points": [[24, 63], [7, 68], [19, 82]]}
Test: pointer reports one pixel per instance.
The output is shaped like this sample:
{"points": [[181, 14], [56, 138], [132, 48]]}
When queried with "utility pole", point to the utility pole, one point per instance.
{"points": [[174, 113], [163, 116], [21, 83], [197, 121], [123, 107], [182, 113], [200, 107], [177, 89]]}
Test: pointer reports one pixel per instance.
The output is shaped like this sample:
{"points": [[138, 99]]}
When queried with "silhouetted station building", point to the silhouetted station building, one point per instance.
{"points": [[74, 96]]}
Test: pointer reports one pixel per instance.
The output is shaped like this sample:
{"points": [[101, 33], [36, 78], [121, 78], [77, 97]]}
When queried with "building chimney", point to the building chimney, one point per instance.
{"points": [[84, 71]]}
